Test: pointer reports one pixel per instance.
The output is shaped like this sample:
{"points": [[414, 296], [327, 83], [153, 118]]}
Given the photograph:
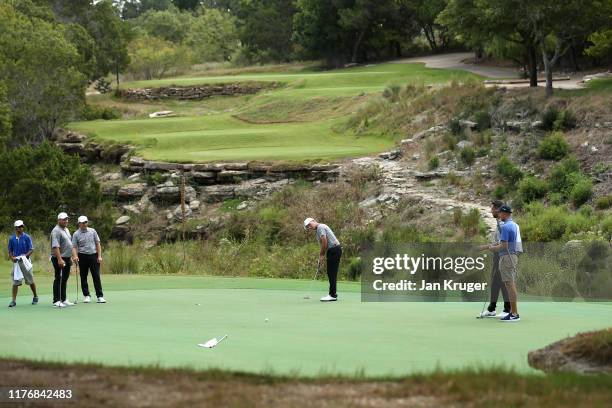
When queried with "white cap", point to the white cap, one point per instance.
{"points": [[82, 218], [19, 223], [62, 216], [307, 221]]}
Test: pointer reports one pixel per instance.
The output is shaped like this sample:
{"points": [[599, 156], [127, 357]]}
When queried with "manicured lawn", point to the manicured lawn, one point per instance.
{"points": [[297, 122], [160, 319]]}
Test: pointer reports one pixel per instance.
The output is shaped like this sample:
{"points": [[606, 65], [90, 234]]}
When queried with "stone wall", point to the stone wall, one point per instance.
{"points": [[208, 174], [195, 92], [89, 151]]}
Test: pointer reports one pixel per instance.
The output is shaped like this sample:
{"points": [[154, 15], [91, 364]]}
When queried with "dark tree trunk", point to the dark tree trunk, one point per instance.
{"points": [[357, 45], [533, 65]]}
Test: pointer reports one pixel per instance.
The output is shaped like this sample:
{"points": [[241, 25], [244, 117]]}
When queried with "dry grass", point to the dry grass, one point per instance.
{"points": [[94, 385], [595, 346]]}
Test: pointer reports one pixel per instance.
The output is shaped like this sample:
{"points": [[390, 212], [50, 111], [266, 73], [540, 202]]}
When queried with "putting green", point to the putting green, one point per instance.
{"points": [[160, 319]]}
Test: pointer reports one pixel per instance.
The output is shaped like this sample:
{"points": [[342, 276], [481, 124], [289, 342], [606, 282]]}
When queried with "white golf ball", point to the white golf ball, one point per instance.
{"points": [[267, 320]]}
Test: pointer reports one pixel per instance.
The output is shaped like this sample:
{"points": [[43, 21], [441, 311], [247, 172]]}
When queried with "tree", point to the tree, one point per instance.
{"points": [[5, 118], [153, 57], [425, 13], [47, 187], [41, 71], [556, 26], [212, 36], [133, 8], [189, 5], [500, 26], [111, 37], [343, 30], [602, 44], [266, 27], [167, 24]]}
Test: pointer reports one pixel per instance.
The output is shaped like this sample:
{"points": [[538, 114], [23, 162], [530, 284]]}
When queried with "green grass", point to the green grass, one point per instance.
{"points": [[155, 320], [297, 122]]}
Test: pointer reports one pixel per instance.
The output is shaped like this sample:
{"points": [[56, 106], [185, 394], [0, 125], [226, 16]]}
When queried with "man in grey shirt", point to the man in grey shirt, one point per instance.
{"points": [[61, 250], [330, 248], [87, 254]]}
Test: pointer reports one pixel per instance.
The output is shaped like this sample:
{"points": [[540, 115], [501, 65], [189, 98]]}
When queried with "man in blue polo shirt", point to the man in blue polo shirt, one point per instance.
{"points": [[20, 244], [508, 259]]}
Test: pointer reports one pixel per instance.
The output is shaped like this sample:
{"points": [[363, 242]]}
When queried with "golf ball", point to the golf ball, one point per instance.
{"points": [[267, 320]]}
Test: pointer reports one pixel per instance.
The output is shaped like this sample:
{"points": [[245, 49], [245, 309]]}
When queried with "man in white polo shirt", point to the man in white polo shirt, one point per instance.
{"points": [[87, 253], [329, 248]]}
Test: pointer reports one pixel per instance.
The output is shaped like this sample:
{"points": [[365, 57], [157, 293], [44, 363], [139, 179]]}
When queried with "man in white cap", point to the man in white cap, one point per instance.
{"points": [[87, 254], [329, 248], [61, 251], [19, 246]]}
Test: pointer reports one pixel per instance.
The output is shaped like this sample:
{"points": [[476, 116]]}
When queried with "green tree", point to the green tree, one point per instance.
{"points": [[5, 118], [498, 26], [153, 57], [266, 27], [111, 37], [47, 187], [41, 71], [425, 13], [602, 44], [134, 8], [169, 25], [213, 36]]}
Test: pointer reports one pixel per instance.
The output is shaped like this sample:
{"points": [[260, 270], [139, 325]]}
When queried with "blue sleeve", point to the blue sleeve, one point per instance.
{"points": [[29, 241], [505, 233], [10, 245]]}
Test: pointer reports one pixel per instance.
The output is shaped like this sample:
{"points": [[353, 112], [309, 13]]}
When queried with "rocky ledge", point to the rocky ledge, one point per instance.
{"points": [[195, 92], [585, 353]]}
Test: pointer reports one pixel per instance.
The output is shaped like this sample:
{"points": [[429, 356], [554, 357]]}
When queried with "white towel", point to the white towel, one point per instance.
{"points": [[17, 274], [24, 263]]}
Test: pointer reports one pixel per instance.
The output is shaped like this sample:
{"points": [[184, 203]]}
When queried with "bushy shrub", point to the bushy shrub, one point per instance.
{"points": [[467, 155], [508, 171], [93, 112], [581, 192], [553, 147], [434, 163], [392, 92], [122, 259], [483, 120], [531, 188], [558, 179], [606, 227], [541, 224], [566, 120], [455, 127], [549, 117], [500, 192], [604, 202], [450, 141]]}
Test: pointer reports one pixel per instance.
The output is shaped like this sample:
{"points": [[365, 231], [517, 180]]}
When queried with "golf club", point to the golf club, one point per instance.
{"points": [[77, 275], [314, 279]]}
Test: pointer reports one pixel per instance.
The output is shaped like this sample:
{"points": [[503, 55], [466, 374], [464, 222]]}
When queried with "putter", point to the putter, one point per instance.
{"points": [[212, 342], [76, 264], [314, 279]]}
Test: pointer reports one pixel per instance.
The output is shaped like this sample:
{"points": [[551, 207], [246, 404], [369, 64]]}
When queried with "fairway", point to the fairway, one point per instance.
{"points": [[156, 320], [301, 120]]}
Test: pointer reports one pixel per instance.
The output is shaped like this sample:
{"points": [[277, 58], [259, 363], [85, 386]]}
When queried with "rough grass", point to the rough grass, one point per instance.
{"points": [[94, 385], [595, 346]]}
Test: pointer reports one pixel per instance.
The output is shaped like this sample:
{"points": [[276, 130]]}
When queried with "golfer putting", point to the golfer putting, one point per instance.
{"points": [[330, 251]]}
